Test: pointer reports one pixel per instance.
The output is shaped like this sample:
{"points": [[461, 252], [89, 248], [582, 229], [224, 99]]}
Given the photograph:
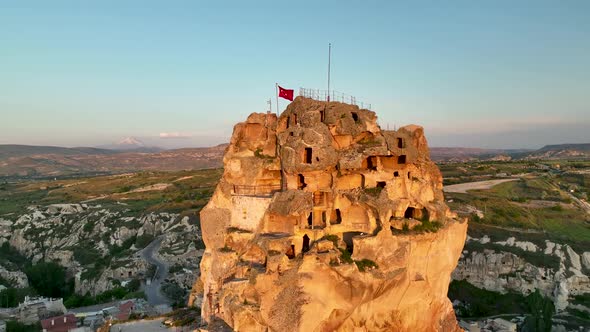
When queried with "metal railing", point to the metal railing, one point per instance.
{"points": [[261, 191], [325, 95]]}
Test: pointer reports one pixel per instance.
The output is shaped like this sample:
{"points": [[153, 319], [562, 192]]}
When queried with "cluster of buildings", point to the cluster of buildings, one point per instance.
{"points": [[54, 317]]}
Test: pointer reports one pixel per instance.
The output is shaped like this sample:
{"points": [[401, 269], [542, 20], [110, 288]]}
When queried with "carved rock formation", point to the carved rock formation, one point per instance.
{"points": [[324, 222]]}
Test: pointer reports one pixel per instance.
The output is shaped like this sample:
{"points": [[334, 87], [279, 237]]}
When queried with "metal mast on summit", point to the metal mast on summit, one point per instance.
{"points": [[329, 60]]}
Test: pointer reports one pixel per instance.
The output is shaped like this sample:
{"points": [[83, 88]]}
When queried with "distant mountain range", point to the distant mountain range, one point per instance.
{"points": [[50, 161], [561, 151], [130, 144]]}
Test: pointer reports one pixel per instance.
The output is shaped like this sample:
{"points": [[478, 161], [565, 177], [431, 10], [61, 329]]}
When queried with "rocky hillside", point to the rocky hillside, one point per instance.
{"points": [[561, 151], [17, 161], [96, 228], [529, 234], [513, 265], [99, 245], [324, 222]]}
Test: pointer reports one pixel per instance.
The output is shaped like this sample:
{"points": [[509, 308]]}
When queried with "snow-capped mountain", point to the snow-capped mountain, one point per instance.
{"points": [[130, 144]]}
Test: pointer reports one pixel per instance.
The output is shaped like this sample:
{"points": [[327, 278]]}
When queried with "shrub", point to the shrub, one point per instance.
{"points": [[133, 285], [346, 256], [135, 295], [258, 154], [143, 240], [88, 226], [405, 227], [374, 191], [331, 237], [175, 268], [173, 291], [87, 254], [364, 264], [428, 226]]}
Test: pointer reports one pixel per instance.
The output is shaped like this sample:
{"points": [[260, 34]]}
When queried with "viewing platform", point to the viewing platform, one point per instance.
{"points": [[331, 95]]}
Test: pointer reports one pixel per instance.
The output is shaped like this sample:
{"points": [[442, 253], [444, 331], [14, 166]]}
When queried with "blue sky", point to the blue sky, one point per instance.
{"points": [[500, 74]]}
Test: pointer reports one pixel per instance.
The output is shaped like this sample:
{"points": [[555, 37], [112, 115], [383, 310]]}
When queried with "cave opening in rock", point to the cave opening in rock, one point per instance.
{"points": [[410, 211], [347, 238], [400, 142], [381, 184], [322, 116], [310, 220], [401, 159], [355, 116], [307, 155], [396, 174], [370, 163], [336, 217], [301, 181], [291, 252], [305, 247]]}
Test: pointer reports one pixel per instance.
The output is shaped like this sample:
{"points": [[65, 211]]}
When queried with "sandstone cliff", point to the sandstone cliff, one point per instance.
{"points": [[324, 222]]}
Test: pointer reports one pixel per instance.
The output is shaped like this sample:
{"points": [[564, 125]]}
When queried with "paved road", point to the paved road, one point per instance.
{"points": [[141, 326], [154, 291]]}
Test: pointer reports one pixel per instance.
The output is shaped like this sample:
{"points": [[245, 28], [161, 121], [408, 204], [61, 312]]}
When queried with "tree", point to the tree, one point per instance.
{"points": [[542, 310], [133, 285], [49, 279], [11, 297]]}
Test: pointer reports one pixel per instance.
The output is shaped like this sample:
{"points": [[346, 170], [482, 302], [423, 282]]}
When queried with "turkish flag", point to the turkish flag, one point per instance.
{"points": [[286, 93]]}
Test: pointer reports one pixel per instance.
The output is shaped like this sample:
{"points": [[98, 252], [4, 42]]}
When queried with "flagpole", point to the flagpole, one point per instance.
{"points": [[277, 95], [329, 58]]}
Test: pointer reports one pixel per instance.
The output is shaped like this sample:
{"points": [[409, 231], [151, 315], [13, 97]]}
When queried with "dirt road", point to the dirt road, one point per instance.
{"points": [[463, 187]]}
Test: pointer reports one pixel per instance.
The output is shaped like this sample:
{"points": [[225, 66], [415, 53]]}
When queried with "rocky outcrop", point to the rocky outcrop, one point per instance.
{"points": [[75, 235], [557, 271], [324, 222], [14, 278]]}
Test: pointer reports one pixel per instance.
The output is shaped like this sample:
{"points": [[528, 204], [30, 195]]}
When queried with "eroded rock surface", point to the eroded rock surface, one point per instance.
{"points": [[557, 271], [324, 222]]}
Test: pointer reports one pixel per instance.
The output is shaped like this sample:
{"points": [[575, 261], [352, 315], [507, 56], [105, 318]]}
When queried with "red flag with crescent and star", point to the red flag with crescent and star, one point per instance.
{"points": [[286, 93]]}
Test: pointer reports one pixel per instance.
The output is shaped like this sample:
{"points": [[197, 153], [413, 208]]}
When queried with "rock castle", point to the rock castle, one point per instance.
{"points": [[324, 222]]}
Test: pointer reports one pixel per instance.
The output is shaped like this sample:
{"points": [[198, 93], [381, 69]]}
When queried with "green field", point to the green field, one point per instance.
{"points": [[539, 201], [186, 191]]}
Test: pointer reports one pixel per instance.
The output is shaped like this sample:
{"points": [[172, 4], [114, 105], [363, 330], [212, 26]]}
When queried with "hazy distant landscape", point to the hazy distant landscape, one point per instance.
{"points": [[23, 161], [545, 201]]}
